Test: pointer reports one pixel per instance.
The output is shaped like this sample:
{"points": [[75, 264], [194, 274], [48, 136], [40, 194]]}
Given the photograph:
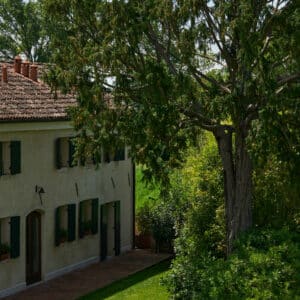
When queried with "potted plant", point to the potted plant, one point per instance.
{"points": [[143, 237], [87, 227], [63, 235], [4, 251]]}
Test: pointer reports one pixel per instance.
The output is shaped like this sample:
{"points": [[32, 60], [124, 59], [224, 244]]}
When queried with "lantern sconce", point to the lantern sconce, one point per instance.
{"points": [[40, 190]]}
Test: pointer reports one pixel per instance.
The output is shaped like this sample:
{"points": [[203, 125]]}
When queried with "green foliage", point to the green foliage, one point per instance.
{"points": [[172, 68], [144, 219], [145, 192], [263, 265], [163, 224], [199, 209], [63, 233], [23, 30], [4, 248], [276, 195]]}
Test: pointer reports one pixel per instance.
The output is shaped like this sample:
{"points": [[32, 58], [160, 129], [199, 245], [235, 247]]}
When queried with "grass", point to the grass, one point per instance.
{"points": [[145, 193], [142, 285]]}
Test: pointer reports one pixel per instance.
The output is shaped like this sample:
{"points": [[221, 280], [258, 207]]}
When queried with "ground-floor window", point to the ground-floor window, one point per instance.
{"points": [[88, 217], [65, 224], [9, 237]]}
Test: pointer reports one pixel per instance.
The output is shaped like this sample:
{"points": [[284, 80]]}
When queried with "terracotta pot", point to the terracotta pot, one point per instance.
{"points": [[143, 241], [63, 240], [4, 256]]}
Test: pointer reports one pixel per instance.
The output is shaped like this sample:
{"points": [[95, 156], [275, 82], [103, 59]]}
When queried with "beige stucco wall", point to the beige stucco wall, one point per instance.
{"points": [[18, 197]]}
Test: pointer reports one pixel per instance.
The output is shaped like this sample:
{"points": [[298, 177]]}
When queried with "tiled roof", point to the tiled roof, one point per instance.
{"points": [[22, 99]]}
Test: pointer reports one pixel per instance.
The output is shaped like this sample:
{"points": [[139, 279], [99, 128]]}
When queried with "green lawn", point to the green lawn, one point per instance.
{"points": [[142, 285], [144, 193]]}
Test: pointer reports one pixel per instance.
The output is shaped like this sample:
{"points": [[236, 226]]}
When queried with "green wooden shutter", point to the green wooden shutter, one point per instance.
{"points": [[95, 214], [80, 222], [117, 224], [71, 222], [57, 226], [106, 157], [1, 160], [71, 153], [14, 237], [15, 157], [103, 232], [58, 153]]}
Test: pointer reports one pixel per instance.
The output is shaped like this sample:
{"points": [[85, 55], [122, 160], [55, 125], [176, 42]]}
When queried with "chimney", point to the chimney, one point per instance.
{"points": [[33, 74], [25, 68], [4, 73], [17, 64]]}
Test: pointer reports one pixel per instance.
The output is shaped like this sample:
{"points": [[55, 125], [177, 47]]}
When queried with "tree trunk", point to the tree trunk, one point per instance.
{"points": [[237, 183]]}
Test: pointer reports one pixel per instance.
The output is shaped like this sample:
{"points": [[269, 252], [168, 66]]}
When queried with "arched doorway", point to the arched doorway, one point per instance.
{"points": [[33, 247]]}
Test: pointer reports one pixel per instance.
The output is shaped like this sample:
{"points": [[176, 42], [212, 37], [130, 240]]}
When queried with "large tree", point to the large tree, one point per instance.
{"points": [[153, 74], [23, 30]]}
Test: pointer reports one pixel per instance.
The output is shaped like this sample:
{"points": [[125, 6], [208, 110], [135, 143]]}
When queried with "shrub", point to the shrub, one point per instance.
{"points": [[144, 219], [265, 264], [162, 226]]}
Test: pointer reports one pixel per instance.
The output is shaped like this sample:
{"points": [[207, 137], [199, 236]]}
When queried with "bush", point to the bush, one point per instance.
{"points": [[276, 195], [162, 226], [265, 264], [144, 219], [200, 211]]}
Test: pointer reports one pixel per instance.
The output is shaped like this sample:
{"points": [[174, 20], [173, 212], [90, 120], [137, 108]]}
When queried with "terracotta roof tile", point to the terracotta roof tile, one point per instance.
{"points": [[22, 99]]}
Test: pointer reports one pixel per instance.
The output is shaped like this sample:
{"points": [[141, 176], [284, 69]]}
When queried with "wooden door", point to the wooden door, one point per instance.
{"points": [[117, 227], [103, 231], [33, 248]]}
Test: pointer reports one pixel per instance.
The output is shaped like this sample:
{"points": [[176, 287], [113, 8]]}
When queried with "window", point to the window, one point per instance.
{"points": [[88, 217], [9, 237], [10, 158], [64, 149], [119, 154], [65, 223], [90, 159]]}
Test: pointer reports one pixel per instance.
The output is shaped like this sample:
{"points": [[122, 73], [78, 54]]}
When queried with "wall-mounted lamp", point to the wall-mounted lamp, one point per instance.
{"points": [[40, 190]]}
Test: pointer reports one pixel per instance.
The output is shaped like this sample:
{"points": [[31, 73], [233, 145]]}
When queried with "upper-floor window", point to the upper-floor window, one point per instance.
{"points": [[117, 155], [10, 157], [64, 152]]}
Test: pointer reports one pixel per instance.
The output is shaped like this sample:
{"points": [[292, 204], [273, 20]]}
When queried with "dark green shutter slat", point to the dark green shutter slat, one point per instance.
{"points": [[57, 226], [80, 223], [57, 153], [71, 153], [71, 222], [119, 154], [14, 237], [117, 227], [95, 214], [1, 160], [15, 157], [106, 157]]}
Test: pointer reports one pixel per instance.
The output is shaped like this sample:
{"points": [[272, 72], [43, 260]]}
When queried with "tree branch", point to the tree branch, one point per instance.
{"points": [[289, 78]]}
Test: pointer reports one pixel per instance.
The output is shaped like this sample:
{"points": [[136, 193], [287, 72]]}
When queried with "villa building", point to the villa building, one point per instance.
{"points": [[55, 215]]}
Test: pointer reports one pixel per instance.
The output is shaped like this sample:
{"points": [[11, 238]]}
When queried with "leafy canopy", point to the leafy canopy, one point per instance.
{"points": [[174, 67], [23, 30]]}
